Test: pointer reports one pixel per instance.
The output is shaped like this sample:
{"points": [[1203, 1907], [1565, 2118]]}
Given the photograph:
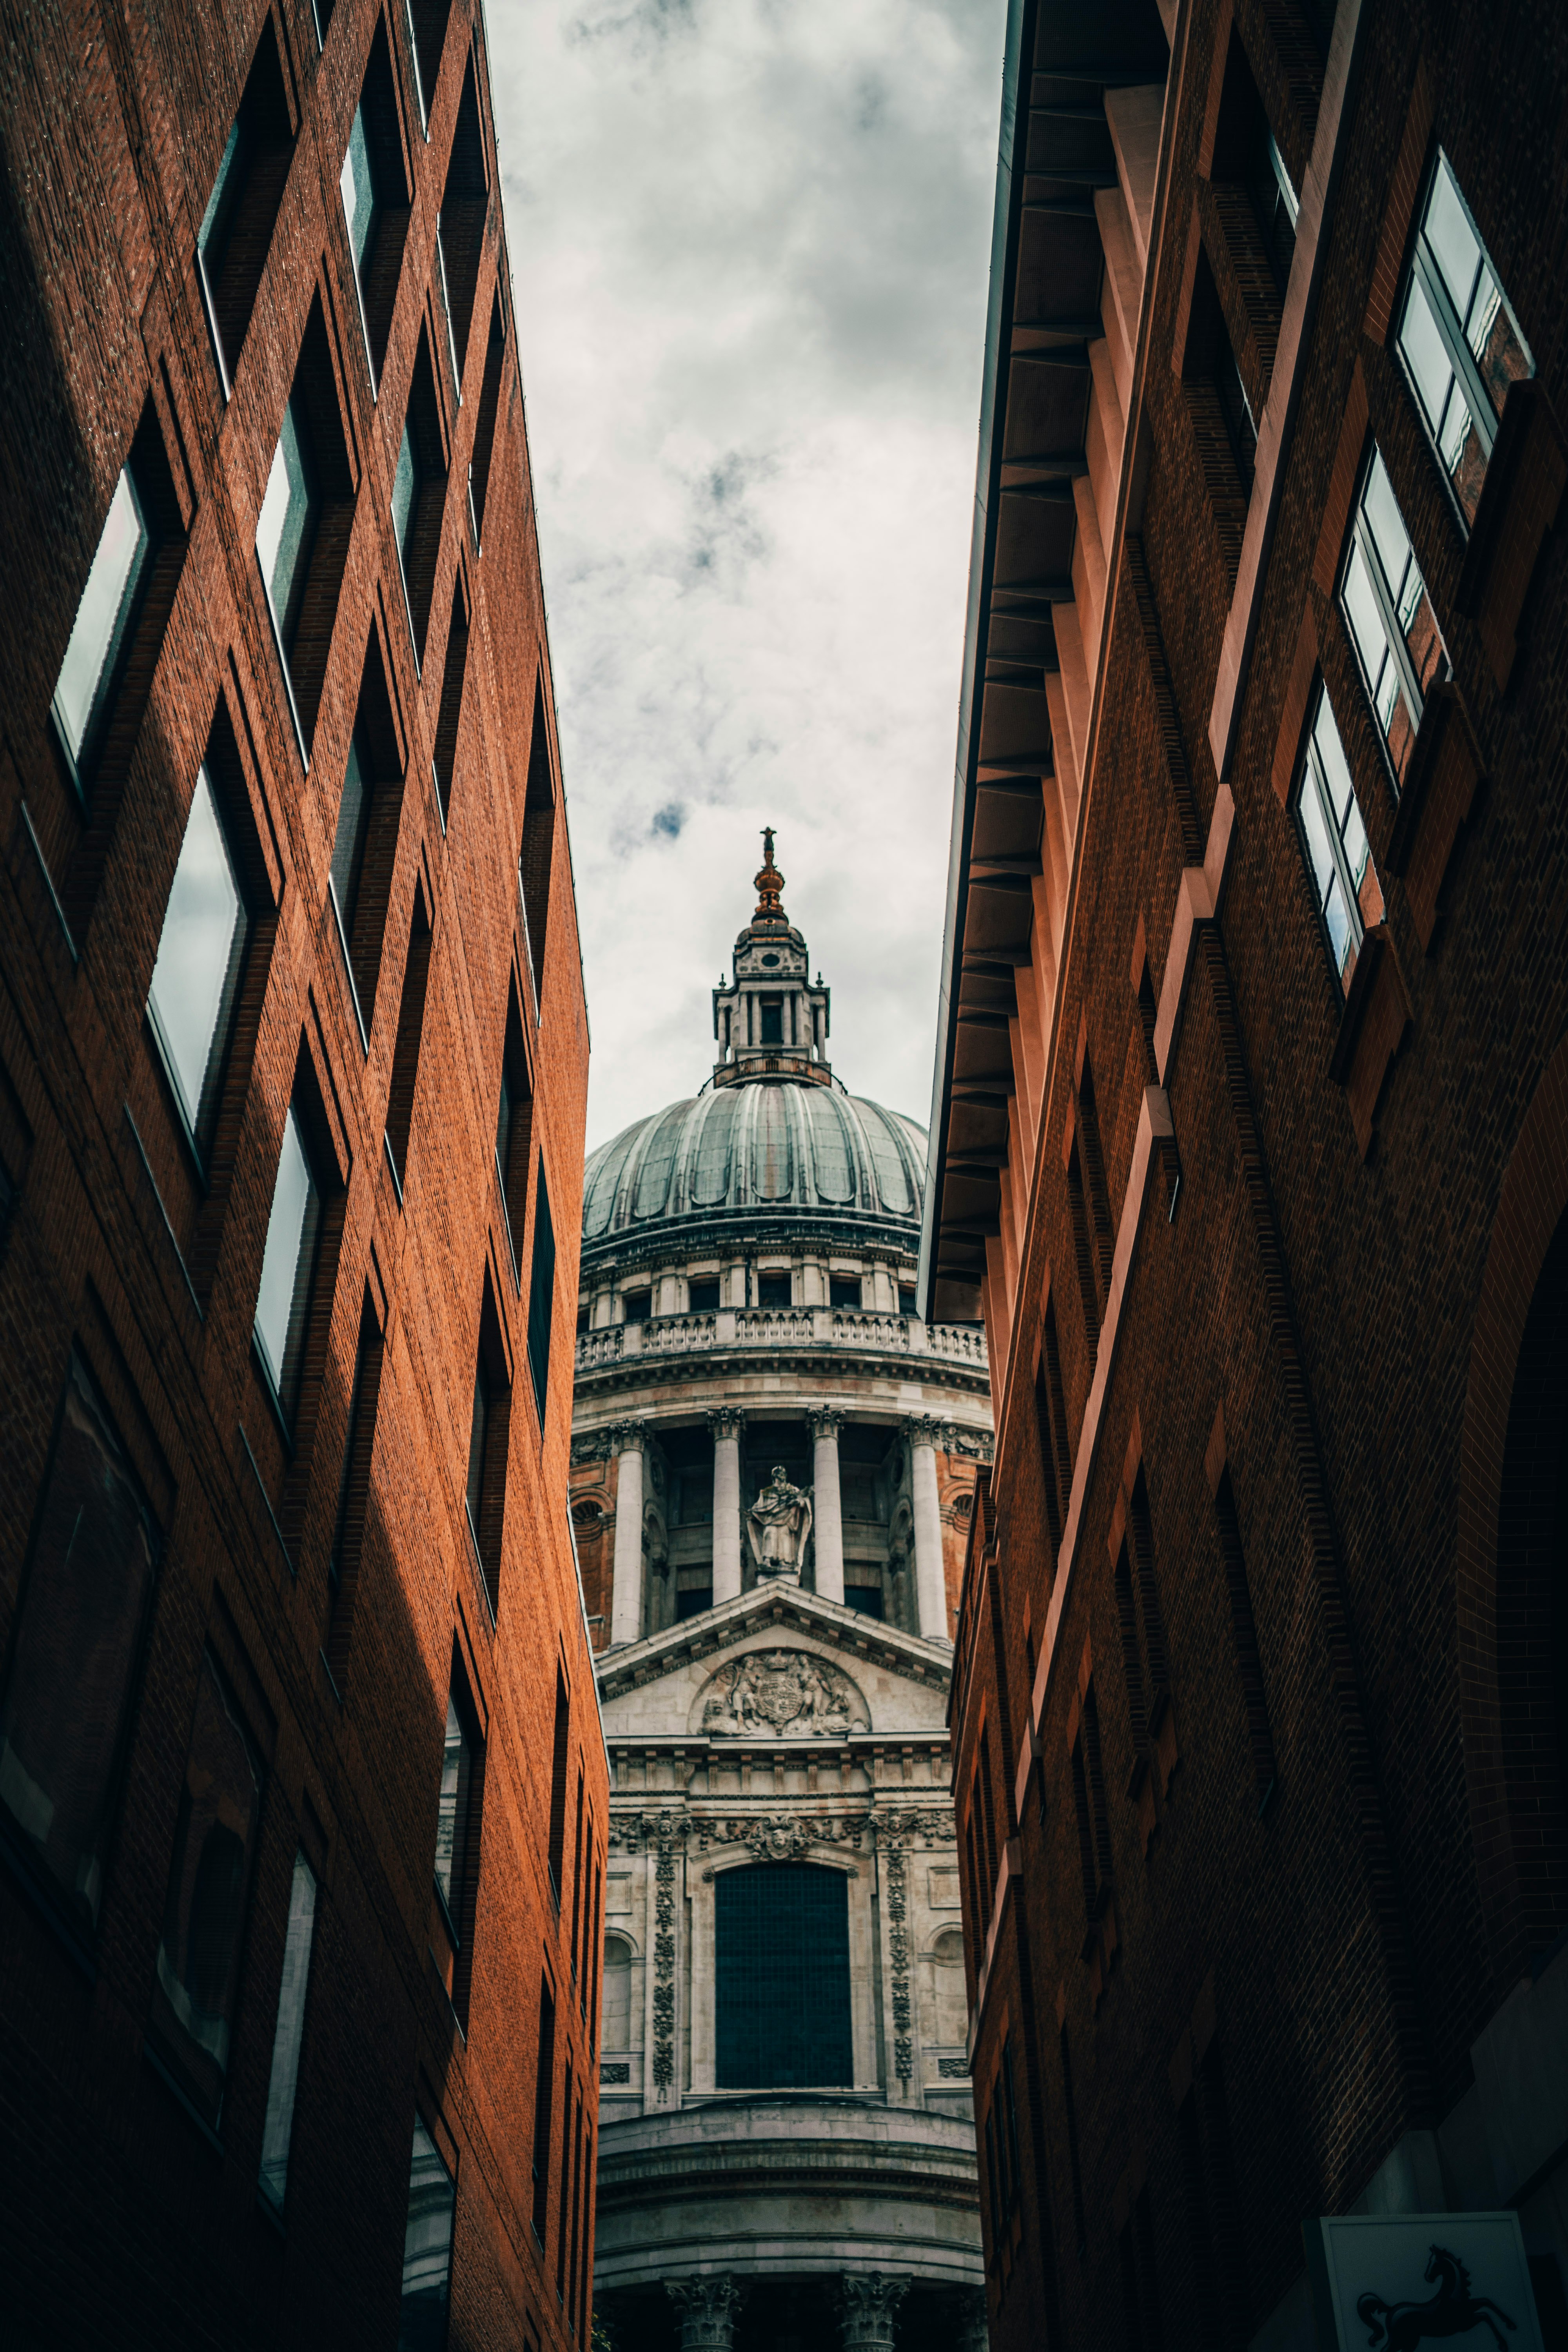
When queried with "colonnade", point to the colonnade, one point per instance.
{"points": [[868, 2303], [726, 1424]]}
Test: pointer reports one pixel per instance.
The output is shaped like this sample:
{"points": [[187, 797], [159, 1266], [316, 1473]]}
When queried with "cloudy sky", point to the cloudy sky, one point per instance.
{"points": [[749, 242]]}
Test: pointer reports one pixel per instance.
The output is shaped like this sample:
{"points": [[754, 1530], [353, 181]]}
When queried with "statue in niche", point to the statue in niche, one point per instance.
{"points": [[778, 1524]]}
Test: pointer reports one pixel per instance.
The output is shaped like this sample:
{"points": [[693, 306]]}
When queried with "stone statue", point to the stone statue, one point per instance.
{"points": [[778, 1524]]}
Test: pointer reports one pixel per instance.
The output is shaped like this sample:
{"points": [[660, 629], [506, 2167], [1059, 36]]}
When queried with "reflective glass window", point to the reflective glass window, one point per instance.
{"points": [[287, 1263], [199, 954], [102, 620]]}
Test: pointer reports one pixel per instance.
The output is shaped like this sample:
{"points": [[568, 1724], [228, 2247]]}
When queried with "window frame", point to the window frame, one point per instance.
{"points": [[1423, 266], [81, 760], [1311, 777], [286, 1378], [1361, 540], [196, 1127], [359, 254], [293, 412]]}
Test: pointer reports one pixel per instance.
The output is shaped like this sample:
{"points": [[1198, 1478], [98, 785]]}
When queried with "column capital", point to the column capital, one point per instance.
{"points": [[867, 2307], [925, 1430], [974, 2333], [726, 1420], [825, 1420], [627, 1436], [709, 2308]]}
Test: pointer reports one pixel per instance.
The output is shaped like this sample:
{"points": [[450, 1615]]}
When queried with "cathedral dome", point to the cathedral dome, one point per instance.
{"points": [[765, 1147]]}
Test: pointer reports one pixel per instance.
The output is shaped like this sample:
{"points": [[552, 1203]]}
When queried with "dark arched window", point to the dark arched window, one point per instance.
{"points": [[782, 1965]]}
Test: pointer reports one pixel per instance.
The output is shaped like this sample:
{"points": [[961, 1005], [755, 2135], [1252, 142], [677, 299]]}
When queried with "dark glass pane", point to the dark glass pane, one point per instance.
{"points": [[204, 1912], [693, 1603], [451, 1821], [865, 1598], [477, 1441], [193, 982], [426, 2248], [774, 1290], [348, 848], [782, 1954], [94, 1550], [843, 1290], [705, 1297], [541, 1293], [772, 1020]]}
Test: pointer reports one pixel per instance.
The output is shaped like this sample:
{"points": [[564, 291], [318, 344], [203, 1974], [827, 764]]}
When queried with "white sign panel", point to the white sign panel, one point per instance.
{"points": [[1403, 2281]]}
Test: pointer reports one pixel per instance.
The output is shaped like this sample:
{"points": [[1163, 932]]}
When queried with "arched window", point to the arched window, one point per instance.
{"points": [[617, 2009], [951, 1990], [782, 1967]]}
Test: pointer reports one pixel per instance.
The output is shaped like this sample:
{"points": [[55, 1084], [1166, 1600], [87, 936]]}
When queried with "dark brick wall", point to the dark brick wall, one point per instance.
{"points": [[124, 2218], [1335, 1318]]}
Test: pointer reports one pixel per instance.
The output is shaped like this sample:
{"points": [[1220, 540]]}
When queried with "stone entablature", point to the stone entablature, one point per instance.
{"points": [[786, 1329]]}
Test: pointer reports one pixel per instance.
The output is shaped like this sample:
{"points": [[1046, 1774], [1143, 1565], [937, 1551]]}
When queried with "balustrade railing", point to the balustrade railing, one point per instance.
{"points": [[781, 1326]]}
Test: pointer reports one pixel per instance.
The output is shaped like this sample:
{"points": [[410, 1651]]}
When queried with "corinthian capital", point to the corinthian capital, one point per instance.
{"points": [[726, 1420], [825, 1421], [627, 1436], [708, 2308], [924, 1431], [867, 2307]]}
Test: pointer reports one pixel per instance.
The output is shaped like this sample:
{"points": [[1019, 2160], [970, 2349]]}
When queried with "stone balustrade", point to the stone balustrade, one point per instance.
{"points": [[781, 1327]]}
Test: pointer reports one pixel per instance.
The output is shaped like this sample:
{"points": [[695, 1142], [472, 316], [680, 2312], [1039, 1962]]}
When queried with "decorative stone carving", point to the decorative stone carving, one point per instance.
{"points": [[781, 1694], [824, 1419], [867, 2308], [781, 1837], [616, 2070], [632, 1831], [664, 1986], [778, 1524], [708, 2308], [898, 1953], [971, 2334], [952, 2070], [726, 1420], [625, 1436]]}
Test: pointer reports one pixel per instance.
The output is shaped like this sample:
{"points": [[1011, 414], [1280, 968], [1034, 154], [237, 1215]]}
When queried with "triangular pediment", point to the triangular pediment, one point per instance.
{"points": [[775, 1665]]}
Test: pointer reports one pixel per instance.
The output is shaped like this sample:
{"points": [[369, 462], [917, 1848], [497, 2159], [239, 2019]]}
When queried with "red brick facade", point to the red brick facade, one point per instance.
{"points": [[1260, 1700], [238, 1598]]}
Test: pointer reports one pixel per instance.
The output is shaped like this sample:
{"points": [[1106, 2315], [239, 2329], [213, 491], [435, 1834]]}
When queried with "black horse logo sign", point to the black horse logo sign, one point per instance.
{"points": [[1454, 2310]]}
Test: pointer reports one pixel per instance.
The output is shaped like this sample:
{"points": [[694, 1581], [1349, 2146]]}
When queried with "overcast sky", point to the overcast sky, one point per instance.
{"points": [[749, 242]]}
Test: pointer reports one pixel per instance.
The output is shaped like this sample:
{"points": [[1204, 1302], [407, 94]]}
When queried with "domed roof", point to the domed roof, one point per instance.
{"points": [[777, 1148]]}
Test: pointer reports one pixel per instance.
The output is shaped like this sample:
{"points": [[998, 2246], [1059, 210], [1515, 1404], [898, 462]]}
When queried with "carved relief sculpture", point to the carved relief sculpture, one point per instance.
{"points": [[782, 1694]]}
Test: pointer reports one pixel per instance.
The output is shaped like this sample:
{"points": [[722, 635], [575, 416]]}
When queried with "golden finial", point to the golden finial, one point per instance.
{"points": [[769, 883]]}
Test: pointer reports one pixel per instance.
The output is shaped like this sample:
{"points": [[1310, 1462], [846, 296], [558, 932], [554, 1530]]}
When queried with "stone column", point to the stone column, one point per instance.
{"points": [[709, 2308], [626, 1604], [827, 1511], [974, 2333], [930, 1581], [726, 1425], [867, 2308]]}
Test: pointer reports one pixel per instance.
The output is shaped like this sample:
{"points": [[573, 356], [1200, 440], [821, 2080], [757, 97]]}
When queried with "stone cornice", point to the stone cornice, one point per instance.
{"points": [[720, 1630], [723, 1366]]}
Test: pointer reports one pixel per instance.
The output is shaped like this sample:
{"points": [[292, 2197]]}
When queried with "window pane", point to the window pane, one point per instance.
{"points": [[405, 482], [285, 1269], [1340, 791], [477, 1441], [214, 231], [103, 613], [1366, 618], [354, 813], [358, 189], [204, 1913], [447, 303], [503, 1125], [426, 2248], [1389, 535], [450, 1815], [94, 1550], [541, 1293], [782, 1971], [290, 2027], [1452, 239], [284, 528], [1427, 358], [203, 931]]}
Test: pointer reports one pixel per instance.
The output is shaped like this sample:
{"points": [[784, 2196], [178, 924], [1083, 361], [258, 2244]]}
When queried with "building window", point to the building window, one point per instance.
{"points": [[774, 1290], [92, 659], [353, 1492], [488, 1443], [449, 716], [514, 1126], [541, 1293], [426, 2247], [1459, 338], [637, 1306], [559, 1750], [485, 428], [288, 1267], [354, 805], [418, 497], [464, 204], [190, 1002], [865, 1598], [406, 1052], [236, 233], [536, 859], [782, 1978], [286, 527], [845, 1290], [84, 1598], [617, 2001], [1389, 614], [289, 2033], [908, 1302], [196, 1995], [692, 1599], [452, 1813], [704, 1295], [374, 193], [544, 2102], [770, 1011], [1333, 836]]}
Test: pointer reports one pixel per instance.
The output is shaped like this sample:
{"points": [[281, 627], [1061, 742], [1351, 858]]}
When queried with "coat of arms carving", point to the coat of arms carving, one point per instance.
{"points": [[782, 1694]]}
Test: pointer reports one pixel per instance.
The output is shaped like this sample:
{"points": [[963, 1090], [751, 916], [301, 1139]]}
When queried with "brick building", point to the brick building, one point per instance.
{"points": [[1249, 1139], [303, 1786]]}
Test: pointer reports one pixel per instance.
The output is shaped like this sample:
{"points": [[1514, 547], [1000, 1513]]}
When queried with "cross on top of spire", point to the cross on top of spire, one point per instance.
{"points": [[769, 884]]}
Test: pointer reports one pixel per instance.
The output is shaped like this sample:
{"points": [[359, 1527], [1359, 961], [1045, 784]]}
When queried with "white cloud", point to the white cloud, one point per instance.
{"points": [[749, 244]]}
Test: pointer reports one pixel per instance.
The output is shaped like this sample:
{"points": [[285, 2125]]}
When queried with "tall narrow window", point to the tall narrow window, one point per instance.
{"points": [[1223, 424], [364, 843], [1249, 1663], [405, 1053], [102, 625], [568, 2186], [464, 202], [197, 1985], [354, 805], [559, 1750], [577, 1877], [288, 1266], [374, 191], [541, 1293], [478, 1436], [85, 1593], [418, 497], [1333, 835], [782, 1978], [286, 527], [543, 2100], [1094, 1172], [452, 1810], [514, 1131], [485, 425], [591, 1967], [236, 227], [585, 2272], [489, 1444], [289, 2033], [538, 842], [354, 1492], [449, 717], [1390, 615], [1254, 194], [1083, 1246], [1458, 338], [426, 2247], [1055, 1442], [190, 1001], [303, 528]]}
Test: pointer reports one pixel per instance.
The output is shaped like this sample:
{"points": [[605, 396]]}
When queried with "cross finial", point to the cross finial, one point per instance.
{"points": [[769, 884]]}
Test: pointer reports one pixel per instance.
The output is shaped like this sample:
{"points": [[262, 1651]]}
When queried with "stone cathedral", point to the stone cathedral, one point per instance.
{"points": [[773, 1469]]}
